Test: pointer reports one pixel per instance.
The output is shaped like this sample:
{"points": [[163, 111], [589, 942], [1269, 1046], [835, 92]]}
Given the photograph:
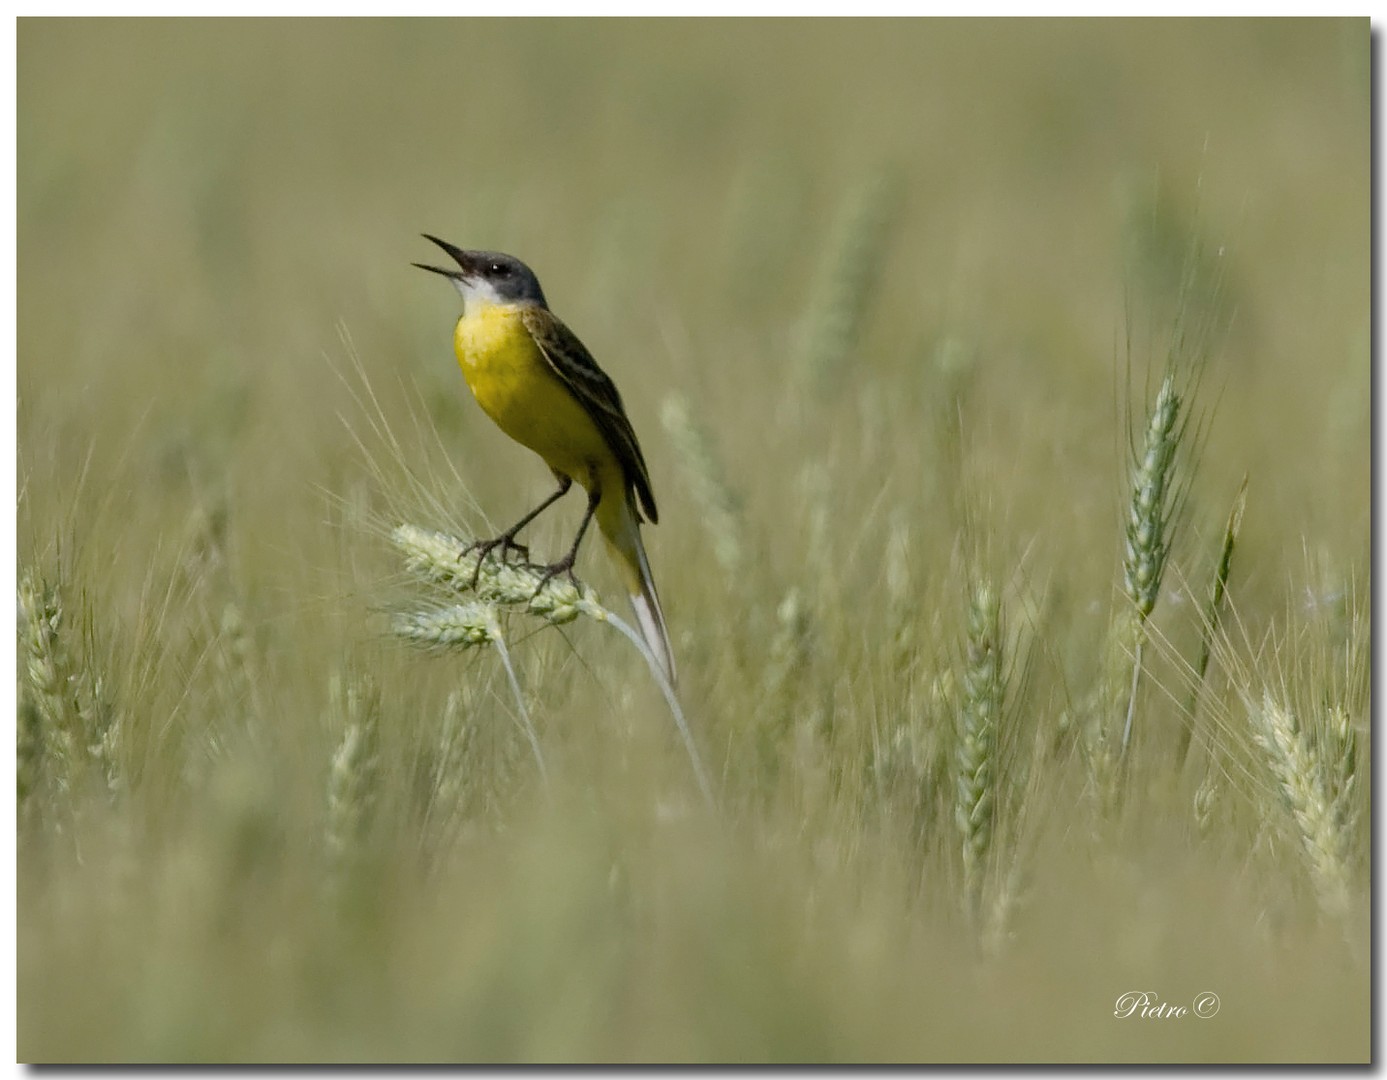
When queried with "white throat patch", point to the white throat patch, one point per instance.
{"points": [[478, 291]]}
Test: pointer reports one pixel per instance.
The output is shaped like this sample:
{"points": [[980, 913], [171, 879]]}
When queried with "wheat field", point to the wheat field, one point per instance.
{"points": [[1005, 392]]}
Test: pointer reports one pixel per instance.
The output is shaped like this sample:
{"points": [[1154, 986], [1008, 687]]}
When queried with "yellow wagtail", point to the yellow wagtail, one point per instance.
{"points": [[533, 377]]}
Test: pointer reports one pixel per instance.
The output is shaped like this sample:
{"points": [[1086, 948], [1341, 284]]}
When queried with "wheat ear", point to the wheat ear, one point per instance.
{"points": [[1148, 528], [1213, 613], [1318, 805], [975, 759]]}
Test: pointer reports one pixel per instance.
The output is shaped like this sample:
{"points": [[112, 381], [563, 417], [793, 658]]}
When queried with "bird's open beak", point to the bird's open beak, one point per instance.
{"points": [[462, 258], [450, 274]]}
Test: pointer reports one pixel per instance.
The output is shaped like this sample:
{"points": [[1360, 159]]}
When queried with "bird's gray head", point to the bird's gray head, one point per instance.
{"points": [[488, 277]]}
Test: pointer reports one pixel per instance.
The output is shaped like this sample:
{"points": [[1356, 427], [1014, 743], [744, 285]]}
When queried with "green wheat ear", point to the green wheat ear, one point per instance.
{"points": [[1149, 528], [1148, 516], [975, 760], [1212, 615], [54, 744]]}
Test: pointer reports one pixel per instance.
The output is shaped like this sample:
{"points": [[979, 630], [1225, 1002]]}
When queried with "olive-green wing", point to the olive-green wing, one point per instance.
{"points": [[578, 371]]}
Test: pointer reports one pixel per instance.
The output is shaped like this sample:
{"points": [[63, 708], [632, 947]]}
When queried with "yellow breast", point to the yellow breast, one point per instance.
{"points": [[498, 358], [514, 384]]}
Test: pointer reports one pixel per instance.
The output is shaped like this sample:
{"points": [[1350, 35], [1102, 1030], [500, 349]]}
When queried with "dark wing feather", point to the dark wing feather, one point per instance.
{"points": [[578, 371]]}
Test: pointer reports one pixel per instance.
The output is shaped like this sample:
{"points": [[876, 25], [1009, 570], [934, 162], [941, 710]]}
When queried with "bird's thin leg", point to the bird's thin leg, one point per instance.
{"points": [[506, 541], [566, 563]]}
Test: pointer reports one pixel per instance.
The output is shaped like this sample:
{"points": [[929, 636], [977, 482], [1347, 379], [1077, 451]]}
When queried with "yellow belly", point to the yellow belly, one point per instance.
{"points": [[514, 385]]}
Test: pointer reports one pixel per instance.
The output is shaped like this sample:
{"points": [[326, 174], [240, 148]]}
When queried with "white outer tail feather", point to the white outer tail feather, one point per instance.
{"points": [[646, 605], [621, 528], [645, 601]]}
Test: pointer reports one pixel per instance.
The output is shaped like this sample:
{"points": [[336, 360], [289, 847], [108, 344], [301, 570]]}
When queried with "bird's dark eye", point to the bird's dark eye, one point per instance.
{"points": [[500, 269]]}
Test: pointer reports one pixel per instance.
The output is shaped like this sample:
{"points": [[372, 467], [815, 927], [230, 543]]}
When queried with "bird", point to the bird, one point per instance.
{"points": [[541, 386]]}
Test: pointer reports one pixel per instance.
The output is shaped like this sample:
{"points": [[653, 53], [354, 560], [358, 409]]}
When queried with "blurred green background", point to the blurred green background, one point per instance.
{"points": [[216, 220]]}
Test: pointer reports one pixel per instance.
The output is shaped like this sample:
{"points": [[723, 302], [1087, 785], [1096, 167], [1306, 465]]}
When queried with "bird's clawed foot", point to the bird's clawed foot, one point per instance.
{"points": [[553, 570], [482, 548]]}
